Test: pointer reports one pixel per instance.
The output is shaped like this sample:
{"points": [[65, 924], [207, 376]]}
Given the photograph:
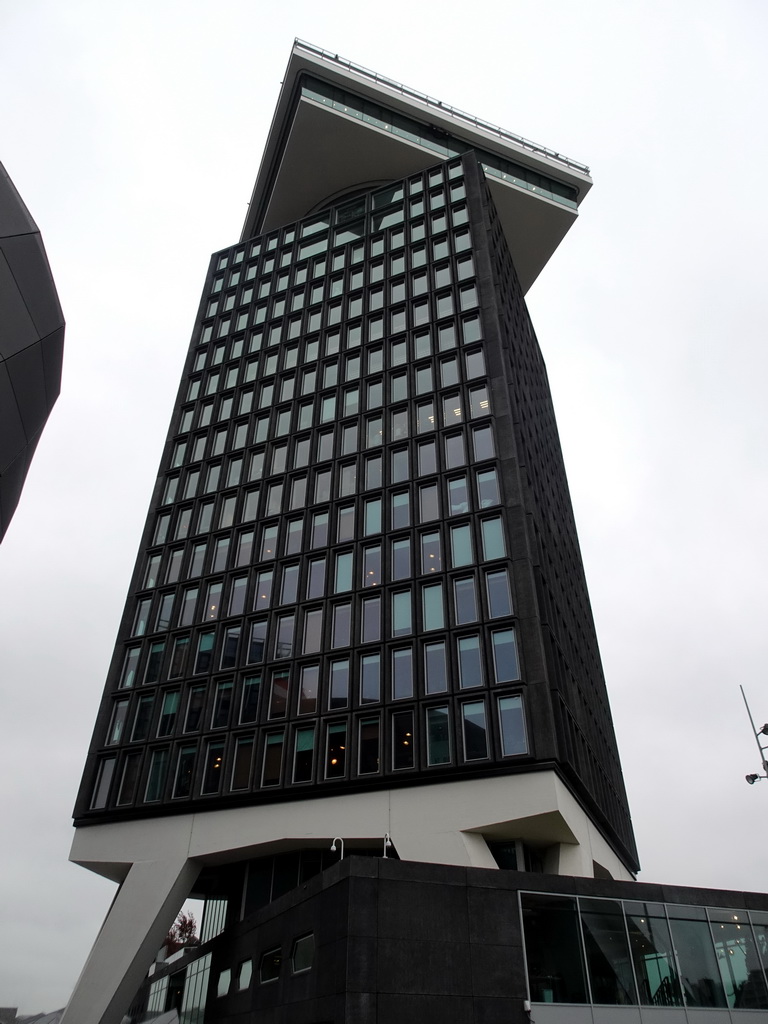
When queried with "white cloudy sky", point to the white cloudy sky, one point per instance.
{"points": [[134, 132]]}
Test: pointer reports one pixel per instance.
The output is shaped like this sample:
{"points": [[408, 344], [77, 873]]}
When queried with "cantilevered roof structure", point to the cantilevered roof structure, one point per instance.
{"points": [[355, 128]]}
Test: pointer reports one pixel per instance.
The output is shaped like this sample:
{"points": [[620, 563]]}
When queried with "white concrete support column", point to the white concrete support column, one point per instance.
{"points": [[144, 909]]}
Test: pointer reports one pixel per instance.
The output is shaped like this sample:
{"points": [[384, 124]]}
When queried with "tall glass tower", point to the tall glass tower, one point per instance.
{"points": [[359, 608]]}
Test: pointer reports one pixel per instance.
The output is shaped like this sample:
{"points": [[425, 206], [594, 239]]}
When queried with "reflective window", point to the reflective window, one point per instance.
{"points": [[403, 746], [505, 661], [499, 597], [401, 558], [488, 488], [370, 678], [470, 664], [249, 702], [401, 613], [474, 730], [402, 673], [461, 546], [336, 750], [435, 672], [368, 746], [309, 685], [433, 616], [438, 736], [303, 755], [465, 600], [513, 740]]}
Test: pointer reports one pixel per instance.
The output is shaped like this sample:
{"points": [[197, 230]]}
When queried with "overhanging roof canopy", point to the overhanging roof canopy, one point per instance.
{"points": [[338, 126]]}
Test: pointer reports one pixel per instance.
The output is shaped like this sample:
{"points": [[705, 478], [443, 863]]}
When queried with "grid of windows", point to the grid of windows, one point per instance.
{"points": [[330, 538]]}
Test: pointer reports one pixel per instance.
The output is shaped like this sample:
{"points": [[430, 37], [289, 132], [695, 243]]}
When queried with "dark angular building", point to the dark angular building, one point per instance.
{"points": [[359, 614], [31, 344]]}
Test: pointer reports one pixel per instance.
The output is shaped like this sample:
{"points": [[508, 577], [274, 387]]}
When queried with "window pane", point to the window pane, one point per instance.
{"points": [[258, 642], [339, 692], [303, 753], [249, 703], [284, 638], [438, 736], [343, 572], [341, 625], [470, 666], [488, 488], [370, 678], [478, 402], [493, 539], [214, 762], [204, 656], [499, 598], [372, 566], [401, 558], [402, 674], [308, 689], [401, 613], [465, 600], [371, 620], [608, 962], [241, 769], [372, 522], [336, 750], [273, 757], [435, 673], [263, 590], [403, 752], [430, 553], [229, 648], [505, 661], [313, 631], [290, 585], [482, 438], [278, 694], [368, 746], [345, 524], [400, 470], [432, 606], [428, 505], [154, 662], [513, 739], [458, 496], [222, 704], [461, 546], [553, 949]]}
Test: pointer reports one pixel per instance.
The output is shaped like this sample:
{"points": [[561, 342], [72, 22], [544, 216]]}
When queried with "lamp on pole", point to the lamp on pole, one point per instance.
{"points": [[762, 745]]}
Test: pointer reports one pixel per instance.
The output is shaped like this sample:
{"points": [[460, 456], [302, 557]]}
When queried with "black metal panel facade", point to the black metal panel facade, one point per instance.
{"points": [[31, 344], [360, 567]]}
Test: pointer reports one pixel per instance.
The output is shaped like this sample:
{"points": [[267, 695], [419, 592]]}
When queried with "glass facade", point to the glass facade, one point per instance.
{"points": [[629, 953]]}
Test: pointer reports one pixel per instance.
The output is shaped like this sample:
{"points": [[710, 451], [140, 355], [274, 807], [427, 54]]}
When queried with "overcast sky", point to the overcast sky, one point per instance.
{"points": [[134, 132]]}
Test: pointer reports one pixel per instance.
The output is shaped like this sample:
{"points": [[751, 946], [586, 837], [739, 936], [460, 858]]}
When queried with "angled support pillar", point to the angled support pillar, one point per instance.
{"points": [[143, 910]]}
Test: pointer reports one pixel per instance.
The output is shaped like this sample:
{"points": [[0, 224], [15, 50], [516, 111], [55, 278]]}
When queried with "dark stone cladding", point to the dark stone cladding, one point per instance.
{"points": [[405, 943], [561, 680], [31, 344]]}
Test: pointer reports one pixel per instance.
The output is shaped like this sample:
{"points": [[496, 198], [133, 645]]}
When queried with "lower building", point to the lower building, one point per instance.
{"points": [[383, 941]]}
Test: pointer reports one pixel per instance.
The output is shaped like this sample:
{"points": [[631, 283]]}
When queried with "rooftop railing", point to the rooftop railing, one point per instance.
{"points": [[445, 108]]}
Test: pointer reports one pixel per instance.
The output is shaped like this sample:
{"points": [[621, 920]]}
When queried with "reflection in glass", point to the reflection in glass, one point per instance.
{"points": [[605, 940], [652, 955], [552, 949], [698, 964], [738, 959]]}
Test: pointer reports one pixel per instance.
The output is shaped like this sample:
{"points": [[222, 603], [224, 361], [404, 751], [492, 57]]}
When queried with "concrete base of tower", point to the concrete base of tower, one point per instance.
{"points": [[157, 860]]}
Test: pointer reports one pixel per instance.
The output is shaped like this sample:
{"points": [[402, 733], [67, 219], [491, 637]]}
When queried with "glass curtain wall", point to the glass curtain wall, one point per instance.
{"points": [[613, 952]]}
